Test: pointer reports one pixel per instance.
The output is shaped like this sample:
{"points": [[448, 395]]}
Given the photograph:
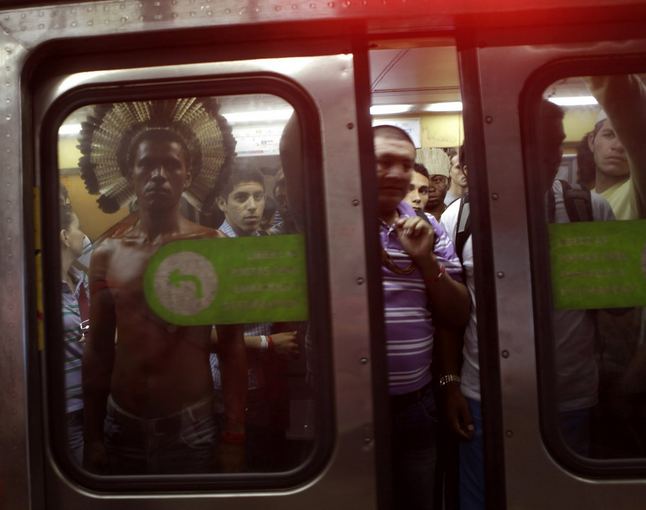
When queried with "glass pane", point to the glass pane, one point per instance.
{"points": [[184, 287], [594, 204]]}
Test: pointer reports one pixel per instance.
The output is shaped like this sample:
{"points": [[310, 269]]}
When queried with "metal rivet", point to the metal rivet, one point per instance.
{"points": [[363, 360], [509, 433], [495, 196], [500, 274], [360, 280], [355, 202], [505, 353], [350, 125], [488, 119]]}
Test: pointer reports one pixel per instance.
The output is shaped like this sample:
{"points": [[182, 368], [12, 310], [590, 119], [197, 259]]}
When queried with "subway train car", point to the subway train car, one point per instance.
{"points": [[289, 90]]}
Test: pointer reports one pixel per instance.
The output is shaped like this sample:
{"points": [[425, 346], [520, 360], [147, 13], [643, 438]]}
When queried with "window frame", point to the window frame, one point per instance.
{"points": [[318, 287], [544, 341]]}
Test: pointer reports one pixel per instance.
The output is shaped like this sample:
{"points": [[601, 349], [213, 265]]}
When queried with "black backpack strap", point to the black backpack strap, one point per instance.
{"points": [[463, 228], [578, 203]]}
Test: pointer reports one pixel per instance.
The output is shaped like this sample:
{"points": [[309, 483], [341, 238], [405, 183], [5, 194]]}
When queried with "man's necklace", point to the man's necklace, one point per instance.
{"points": [[389, 263]]}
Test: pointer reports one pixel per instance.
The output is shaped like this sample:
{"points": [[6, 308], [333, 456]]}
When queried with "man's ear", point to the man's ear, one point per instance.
{"points": [[188, 180], [222, 204]]}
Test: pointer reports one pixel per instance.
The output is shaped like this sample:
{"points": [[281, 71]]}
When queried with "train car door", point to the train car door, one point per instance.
{"points": [[560, 323], [312, 282]]}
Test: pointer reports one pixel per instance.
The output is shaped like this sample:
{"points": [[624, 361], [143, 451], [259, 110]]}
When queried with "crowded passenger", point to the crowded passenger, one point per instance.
{"points": [[148, 396], [458, 179], [286, 225], [423, 304], [75, 303], [417, 195], [620, 161], [617, 144], [438, 178], [574, 335], [242, 199]]}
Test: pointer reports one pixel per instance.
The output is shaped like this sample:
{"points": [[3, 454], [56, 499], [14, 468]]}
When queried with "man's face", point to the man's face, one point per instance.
{"points": [[74, 237], [609, 153], [417, 195], [160, 174], [395, 160], [244, 206], [438, 186], [456, 173]]}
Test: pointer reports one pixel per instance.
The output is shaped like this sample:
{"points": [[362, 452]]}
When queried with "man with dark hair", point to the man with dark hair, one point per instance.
{"points": [[458, 178], [417, 196], [154, 381], [617, 143], [422, 304], [242, 200]]}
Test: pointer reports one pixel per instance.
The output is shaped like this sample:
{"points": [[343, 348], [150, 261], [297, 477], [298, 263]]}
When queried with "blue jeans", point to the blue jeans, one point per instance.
{"points": [[181, 443], [471, 481], [414, 450]]}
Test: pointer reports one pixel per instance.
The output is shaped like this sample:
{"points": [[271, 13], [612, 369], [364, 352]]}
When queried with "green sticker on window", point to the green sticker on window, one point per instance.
{"points": [[598, 264], [229, 281]]}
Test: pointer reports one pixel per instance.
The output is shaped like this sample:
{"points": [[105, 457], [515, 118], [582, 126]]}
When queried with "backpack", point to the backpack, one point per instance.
{"points": [[578, 205]]}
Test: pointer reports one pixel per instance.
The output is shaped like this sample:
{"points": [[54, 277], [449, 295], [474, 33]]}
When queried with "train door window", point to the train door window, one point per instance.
{"points": [[587, 161], [180, 261]]}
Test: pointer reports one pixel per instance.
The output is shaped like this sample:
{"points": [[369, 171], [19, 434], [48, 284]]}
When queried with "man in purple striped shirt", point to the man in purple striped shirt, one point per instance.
{"points": [[421, 304]]}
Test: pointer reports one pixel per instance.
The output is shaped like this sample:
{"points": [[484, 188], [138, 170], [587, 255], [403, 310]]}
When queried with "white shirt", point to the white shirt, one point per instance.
{"points": [[574, 330]]}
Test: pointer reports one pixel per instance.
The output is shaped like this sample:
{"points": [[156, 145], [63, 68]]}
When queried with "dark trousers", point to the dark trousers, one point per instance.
{"points": [[414, 449]]}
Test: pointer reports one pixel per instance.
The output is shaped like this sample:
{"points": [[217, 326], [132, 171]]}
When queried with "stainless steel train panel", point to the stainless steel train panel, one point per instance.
{"points": [[533, 478]]}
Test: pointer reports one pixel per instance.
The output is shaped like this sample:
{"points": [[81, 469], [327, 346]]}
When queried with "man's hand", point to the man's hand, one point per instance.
{"points": [[416, 237], [95, 458], [457, 412], [230, 458], [285, 344]]}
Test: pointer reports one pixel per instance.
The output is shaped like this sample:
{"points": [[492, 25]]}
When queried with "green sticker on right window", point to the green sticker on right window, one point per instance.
{"points": [[598, 264]]}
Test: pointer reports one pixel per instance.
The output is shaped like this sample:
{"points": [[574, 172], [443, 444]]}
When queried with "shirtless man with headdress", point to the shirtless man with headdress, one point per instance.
{"points": [[148, 395]]}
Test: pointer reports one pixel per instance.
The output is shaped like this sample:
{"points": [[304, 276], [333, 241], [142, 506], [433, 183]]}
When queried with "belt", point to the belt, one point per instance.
{"points": [[166, 424], [406, 399]]}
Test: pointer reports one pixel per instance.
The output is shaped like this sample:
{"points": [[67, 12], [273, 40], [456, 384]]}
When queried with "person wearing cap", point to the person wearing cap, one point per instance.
{"points": [[617, 144], [437, 162], [148, 397]]}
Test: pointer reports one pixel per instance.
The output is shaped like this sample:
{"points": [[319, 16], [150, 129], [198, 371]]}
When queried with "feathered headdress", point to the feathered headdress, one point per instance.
{"points": [[107, 137]]}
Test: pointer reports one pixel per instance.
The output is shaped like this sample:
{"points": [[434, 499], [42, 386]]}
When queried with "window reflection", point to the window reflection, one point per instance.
{"points": [[213, 391], [597, 271]]}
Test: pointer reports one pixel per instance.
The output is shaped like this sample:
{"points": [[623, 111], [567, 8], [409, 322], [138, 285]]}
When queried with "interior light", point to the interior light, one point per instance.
{"points": [[573, 100], [282, 114], [389, 109], [448, 106], [69, 129]]}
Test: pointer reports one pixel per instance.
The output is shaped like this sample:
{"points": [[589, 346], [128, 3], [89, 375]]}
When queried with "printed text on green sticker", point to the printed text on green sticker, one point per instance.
{"points": [[598, 264], [229, 280]]}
